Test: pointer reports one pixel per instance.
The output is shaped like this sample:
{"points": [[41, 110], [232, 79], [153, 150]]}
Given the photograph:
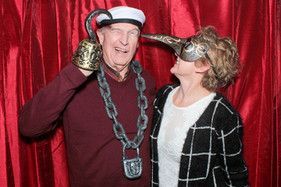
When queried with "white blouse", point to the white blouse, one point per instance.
{"points": [[174, 126]]}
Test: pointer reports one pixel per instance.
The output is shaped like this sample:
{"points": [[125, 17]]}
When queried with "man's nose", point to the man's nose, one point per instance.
{"points": [[124, 39]]}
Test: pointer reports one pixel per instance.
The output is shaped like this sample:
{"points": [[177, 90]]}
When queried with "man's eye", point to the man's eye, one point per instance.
{"points": [[134, 33], [115, 30]]}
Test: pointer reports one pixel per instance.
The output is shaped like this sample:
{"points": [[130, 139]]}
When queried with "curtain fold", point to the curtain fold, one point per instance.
{"points": [[37, 40]]}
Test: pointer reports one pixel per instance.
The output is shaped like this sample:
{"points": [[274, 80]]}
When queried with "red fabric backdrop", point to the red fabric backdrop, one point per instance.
{"points": [[38, 39]]}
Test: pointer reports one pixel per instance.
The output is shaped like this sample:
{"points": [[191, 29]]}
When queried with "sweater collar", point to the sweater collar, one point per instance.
{"points": [[114, 74]]}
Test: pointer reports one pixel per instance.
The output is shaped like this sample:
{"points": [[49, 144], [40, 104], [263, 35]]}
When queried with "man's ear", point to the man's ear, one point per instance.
{"points": [[100, 35], [201, 67]]}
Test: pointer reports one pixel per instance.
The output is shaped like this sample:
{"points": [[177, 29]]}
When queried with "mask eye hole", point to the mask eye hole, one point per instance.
{"points": [[203, 49], [187, 47]]}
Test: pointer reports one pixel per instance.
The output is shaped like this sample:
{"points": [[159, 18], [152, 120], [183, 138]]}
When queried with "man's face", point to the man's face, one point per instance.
{"points": [[119, 43]]}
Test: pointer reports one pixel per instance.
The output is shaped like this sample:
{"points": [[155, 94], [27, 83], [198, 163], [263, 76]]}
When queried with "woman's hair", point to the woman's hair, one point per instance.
{"points": [[222, 56]]}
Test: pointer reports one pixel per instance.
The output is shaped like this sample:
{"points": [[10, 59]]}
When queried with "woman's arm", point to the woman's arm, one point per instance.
{"points": [[231, 152]]}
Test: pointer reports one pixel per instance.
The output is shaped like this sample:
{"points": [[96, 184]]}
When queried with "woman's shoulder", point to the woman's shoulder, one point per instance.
{"points": [[165, 90], [224, 107]]}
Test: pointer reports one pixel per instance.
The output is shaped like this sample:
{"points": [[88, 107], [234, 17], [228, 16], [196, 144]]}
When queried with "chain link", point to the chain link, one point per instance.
{"points": [[112, 113]]}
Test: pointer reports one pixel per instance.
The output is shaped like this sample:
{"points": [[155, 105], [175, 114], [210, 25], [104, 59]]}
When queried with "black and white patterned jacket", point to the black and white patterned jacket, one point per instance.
{"points": [[212, 151]]}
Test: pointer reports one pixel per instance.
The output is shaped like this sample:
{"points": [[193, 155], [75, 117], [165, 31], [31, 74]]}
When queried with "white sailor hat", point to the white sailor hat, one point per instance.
{"points": [[122, 14]]}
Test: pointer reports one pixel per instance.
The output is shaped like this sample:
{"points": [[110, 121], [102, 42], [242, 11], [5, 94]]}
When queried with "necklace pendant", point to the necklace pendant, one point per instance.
{"points": [[133, 166]]}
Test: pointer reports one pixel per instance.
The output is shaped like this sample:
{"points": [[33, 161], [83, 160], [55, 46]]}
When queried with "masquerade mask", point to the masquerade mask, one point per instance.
{"points": [[184, 48]]}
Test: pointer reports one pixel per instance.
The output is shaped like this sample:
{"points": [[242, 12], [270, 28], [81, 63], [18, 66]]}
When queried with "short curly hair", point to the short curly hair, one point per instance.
{"points": [[222, 56]]}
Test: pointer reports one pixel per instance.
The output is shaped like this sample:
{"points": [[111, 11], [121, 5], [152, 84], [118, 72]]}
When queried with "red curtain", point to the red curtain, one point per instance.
{"points": [[38, 39]]}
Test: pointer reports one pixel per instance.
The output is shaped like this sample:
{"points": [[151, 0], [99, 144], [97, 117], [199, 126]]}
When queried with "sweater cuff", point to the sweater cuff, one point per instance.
{"points": [[73, 75]]}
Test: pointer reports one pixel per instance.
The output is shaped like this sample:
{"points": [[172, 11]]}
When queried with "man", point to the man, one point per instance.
{"points": [[104, 110]]}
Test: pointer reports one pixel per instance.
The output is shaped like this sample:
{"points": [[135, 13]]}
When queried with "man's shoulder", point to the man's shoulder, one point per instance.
{"points": [[147, 74], [149, 79]]}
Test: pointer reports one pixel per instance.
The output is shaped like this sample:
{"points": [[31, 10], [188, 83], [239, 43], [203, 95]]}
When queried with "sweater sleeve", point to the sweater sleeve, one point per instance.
{"points": [[231, 151], [39, 115]]}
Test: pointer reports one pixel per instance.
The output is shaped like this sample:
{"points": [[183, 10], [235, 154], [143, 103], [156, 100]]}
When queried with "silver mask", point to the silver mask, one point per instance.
{"points": [[184, 47]]}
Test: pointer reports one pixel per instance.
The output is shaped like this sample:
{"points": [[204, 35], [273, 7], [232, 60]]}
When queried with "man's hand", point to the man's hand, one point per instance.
{"points": [[87, 56]]}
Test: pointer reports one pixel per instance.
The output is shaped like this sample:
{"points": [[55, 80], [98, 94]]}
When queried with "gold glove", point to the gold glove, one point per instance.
{"points": [[88, 55]]}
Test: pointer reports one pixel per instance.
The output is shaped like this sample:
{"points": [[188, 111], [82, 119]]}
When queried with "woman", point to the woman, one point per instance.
{"points": [[197, 134]]}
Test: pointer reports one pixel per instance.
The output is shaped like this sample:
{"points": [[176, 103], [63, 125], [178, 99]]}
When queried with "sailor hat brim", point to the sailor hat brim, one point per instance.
{"points": [[122, 14]]}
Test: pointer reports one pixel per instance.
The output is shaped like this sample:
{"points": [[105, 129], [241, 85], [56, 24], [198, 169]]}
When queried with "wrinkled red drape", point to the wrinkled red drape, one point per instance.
{"points": [[38, 39]]}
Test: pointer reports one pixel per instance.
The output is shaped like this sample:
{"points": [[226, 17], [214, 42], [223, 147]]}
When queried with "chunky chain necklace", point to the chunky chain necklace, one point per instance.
{"points": [[132, 167]]}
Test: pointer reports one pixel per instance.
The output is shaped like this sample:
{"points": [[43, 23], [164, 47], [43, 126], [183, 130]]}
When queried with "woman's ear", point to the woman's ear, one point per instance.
{"points": [[201, 67]]}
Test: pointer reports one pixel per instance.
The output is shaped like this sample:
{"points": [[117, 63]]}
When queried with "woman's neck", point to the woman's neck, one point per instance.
{"points": [[189, 93]]}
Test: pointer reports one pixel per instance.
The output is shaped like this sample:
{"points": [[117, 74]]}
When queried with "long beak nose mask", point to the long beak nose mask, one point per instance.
{"points": [[184, 47]]}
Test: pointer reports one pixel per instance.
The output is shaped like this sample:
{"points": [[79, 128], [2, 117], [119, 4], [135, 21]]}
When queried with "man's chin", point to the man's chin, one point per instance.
{"points": [[120, 67]]}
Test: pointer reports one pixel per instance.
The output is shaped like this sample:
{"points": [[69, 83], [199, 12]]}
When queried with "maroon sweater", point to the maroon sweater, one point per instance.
{"points": [[94, 153]]}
